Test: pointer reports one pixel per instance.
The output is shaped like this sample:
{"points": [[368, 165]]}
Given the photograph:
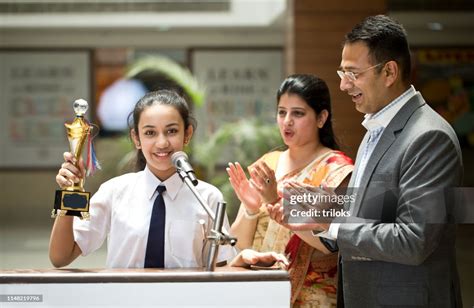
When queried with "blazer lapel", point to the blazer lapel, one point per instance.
{"points": [[389, 135]]}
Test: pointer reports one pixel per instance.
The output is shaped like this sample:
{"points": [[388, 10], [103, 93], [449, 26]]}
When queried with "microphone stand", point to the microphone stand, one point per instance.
{"points": [[216, 237], [218, 234]]}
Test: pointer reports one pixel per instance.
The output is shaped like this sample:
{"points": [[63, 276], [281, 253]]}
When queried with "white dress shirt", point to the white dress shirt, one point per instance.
{"points": [[375, 125], [121, 210]]}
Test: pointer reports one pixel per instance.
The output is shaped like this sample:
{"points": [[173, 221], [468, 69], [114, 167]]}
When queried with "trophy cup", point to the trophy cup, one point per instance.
{"points": [[74, 200]]}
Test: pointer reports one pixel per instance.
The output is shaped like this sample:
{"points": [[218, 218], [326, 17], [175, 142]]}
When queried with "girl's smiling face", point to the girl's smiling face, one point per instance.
{"points": [[161, 133]]}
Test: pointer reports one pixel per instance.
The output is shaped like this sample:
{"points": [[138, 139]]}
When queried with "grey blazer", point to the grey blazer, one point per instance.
{"points": [[399, 250]]}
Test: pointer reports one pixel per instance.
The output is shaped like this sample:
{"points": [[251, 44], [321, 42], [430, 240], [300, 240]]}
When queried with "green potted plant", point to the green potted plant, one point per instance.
{"points": [[243, 141]]}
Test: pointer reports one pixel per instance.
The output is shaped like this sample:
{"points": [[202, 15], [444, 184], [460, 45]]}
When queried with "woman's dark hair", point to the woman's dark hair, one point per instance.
{"points": [[386, 40], [161, 97], [314, 91]]}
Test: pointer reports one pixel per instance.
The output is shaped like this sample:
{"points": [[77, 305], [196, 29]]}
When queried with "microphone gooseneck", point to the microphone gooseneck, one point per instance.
{"points": [[218, 235]]}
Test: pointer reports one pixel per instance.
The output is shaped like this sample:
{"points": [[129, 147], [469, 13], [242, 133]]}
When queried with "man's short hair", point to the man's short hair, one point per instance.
{"points": [[386, 40]]}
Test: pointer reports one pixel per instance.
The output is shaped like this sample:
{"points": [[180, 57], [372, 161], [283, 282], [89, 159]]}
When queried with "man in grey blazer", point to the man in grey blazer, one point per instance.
{"points": [[398, 247]]}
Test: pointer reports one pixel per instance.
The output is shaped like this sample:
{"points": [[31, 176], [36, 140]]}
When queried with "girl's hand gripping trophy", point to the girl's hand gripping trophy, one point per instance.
{"points": [[74, 200]]}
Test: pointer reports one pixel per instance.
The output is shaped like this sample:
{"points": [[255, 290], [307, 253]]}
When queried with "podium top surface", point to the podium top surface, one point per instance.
{"points": [[70, 275]]}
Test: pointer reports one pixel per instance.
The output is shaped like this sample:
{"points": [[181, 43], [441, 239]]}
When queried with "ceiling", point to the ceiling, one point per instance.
{"points": [[108, 6], [428, 22], [139, 14], [430, 5], [437, 28]]}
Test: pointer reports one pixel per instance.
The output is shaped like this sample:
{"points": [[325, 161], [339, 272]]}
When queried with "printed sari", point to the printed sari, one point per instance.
{"points": [[312, 273]]}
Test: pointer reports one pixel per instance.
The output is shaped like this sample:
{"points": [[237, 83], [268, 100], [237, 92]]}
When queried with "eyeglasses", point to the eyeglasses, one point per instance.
{"points": [[352, 76]]}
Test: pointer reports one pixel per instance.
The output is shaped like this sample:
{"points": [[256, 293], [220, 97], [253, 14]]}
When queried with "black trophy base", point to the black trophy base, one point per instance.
{"points": [[71, 203]]}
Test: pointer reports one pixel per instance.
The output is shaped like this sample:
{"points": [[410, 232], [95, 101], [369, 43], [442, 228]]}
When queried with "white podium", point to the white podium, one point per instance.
{"points": [[226, 287]]}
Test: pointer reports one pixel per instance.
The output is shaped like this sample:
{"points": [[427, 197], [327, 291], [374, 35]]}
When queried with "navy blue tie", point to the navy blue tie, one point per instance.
{"points": [[155, 247]]}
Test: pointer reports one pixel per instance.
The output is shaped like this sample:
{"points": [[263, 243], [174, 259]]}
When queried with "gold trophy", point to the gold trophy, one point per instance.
{"points": [[74, 200]]}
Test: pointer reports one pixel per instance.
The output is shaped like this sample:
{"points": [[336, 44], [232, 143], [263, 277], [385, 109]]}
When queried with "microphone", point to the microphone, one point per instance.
{"points": [[180, 161]]}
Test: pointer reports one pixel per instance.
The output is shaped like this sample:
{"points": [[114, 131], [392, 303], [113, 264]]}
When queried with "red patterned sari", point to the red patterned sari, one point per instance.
{"points": [[313, 274]]}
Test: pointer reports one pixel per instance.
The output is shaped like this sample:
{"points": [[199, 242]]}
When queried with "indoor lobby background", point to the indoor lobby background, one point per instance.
{"points": [[237, 53]]}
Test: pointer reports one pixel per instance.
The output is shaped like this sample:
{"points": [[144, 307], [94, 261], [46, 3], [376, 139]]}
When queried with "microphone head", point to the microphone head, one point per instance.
{"points": [[177, 156]]}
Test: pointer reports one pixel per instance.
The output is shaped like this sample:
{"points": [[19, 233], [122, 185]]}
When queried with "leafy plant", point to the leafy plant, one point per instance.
{"points": [[173, 71], [244, 141]]}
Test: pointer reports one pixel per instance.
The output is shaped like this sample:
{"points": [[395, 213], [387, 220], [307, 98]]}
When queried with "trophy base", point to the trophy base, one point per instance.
{"points": [[71, 203]]}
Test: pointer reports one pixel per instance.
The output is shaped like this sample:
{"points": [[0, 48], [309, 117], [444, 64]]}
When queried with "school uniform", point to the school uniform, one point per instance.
{"points": [[121, 210]]}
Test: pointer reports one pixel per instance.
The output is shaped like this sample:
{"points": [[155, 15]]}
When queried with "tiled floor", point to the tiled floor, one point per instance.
{"points": [[27, 247]]}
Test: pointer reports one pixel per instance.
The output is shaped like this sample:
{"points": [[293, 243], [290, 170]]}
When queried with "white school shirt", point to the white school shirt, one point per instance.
{"points": [[121, 210]]}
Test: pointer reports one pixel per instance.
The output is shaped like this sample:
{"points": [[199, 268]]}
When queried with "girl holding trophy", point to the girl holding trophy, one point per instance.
{"points": [[124, 208]]}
